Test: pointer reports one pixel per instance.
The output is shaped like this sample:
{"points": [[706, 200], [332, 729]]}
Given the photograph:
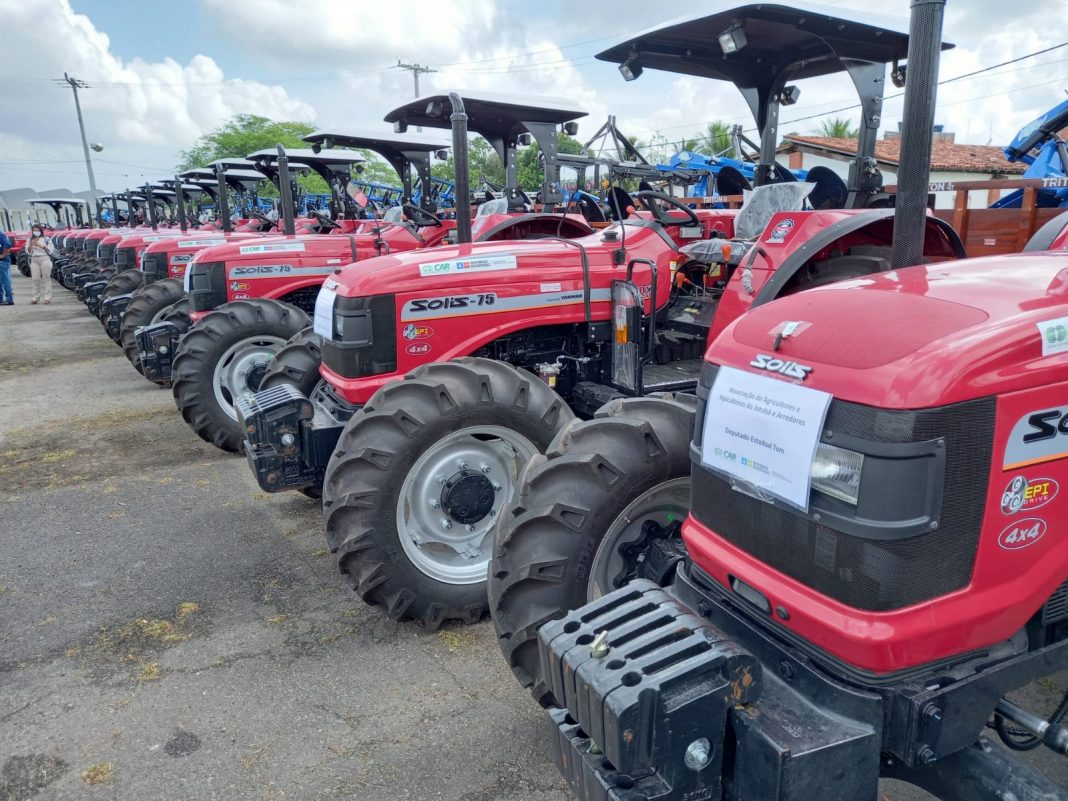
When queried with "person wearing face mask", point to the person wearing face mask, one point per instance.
{"points": [[39, 249]]}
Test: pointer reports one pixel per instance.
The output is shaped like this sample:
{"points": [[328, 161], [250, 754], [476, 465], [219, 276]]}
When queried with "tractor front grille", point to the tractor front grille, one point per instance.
{"points": [[106, 253], [366, 343], [207, 286], [867, 573], [154, 266], [126, 257]]}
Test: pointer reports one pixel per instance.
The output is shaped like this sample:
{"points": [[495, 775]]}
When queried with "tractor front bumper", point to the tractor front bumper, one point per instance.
{"points": [[156, 345], [111, 310], [93, 291], [289, 438], [682, 694]]}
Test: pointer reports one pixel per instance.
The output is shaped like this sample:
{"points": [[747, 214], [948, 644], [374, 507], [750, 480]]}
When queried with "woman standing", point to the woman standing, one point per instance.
{"points": [[39, 249]]}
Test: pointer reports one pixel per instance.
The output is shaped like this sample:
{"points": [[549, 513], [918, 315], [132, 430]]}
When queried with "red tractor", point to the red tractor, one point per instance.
{"points": [[269, 285], [835, 563], [262, 291], [163, 263], [416, 472]]}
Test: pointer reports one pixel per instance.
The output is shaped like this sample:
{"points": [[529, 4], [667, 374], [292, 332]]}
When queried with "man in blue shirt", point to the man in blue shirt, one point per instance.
{"points": [[6, 298]]}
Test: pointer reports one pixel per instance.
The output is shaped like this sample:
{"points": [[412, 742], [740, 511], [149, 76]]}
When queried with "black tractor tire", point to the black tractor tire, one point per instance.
{"points": [[381, 448], [860, 261], [549, 539], [146, 306], [199, 352], [297, 364], [23, 262], [123, 283]]}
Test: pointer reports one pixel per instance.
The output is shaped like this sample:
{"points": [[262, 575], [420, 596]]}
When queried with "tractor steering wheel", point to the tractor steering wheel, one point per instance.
{"points": [[259, 215], [420, 216], [324, 220], [654, 203]]}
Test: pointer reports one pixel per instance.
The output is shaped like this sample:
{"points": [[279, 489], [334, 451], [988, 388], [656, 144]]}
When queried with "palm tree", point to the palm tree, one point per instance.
{"points": [[715, 139], [838, 128]]}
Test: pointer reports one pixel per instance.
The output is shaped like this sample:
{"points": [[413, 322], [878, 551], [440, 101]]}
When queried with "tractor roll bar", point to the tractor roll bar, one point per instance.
{"points": [[914, 172]]}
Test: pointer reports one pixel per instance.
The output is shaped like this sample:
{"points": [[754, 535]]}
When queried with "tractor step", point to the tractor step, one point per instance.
{"points": [[672, 377]]}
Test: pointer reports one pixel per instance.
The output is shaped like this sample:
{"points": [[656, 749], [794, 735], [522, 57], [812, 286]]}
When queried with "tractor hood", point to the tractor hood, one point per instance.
{"points": [[480, 266], [916, 338]]}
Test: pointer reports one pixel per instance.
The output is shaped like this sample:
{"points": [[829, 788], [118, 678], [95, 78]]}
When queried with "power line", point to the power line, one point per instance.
{"points": [[898, 95]]}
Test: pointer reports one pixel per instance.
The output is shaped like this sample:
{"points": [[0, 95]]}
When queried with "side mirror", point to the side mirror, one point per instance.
{"points": [[524, 139], [400, 126], [316, 148], [441, 155], [570, 128]]}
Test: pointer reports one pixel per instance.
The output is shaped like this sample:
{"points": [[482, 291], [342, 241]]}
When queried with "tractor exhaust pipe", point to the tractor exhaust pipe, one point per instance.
{"points": [[459, 160], [914, 170], [179, 195], [223, 204], [285, 191]]}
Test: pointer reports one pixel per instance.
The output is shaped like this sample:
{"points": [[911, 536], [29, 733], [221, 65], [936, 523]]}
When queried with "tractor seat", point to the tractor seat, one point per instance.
{"points": [[496, 206], [764, 203]]}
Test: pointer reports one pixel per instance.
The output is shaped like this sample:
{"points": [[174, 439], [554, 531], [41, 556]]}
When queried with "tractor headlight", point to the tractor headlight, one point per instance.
{"points": [[836, 472]]}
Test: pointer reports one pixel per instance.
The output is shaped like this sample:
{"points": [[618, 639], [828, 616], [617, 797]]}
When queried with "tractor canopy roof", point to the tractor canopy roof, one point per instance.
{"points": [[494, 116], [387, 144], [208, 175], [799, 40], [299, 157], [232, 164], [73, 201]]}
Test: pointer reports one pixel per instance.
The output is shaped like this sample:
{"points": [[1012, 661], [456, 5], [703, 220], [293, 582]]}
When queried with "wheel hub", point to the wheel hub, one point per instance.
{"points": [[254, 377], [467, 497]]}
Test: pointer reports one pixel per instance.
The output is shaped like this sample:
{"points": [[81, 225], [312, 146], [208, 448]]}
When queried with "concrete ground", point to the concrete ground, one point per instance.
{"points": [[168, 631]]}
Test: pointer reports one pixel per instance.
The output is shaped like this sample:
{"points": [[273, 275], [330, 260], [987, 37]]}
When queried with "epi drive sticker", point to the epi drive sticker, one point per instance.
{"points": [[1027, 494], [273, 247], [473, 264], [1054, 335]]}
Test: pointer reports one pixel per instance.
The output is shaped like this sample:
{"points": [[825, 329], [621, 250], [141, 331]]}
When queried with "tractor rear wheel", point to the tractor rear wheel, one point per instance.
{"points": [[223, 357], [576, 528], [419, 477], [147, 305], [296, 364]]}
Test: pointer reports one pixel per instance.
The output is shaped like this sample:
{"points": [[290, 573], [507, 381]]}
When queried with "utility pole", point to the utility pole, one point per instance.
{"points": [[415, 69], [75, 85]]}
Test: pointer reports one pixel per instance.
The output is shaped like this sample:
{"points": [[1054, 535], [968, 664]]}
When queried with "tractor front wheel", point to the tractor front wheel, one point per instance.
{"points": [[224, 357], [147, 306], [296, 364], [122, 283], [420, 476], [585, 519]]}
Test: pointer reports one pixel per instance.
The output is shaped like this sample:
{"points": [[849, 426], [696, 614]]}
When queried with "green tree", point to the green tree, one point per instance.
{"points": [[247, 133], [839, 129], [482, 162], [714, 139], [529, 170]]}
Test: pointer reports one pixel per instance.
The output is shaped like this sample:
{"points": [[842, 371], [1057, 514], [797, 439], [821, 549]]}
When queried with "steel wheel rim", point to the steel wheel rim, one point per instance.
{"points": [[459, 553], [230, 377], [664, 503]]}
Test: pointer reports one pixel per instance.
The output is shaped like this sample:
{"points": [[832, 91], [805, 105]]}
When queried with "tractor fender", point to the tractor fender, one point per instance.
{"points": [[551, 223], [796, 260], [1051, 236]]}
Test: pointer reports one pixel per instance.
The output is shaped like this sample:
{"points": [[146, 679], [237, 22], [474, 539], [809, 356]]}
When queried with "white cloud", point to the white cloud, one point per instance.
{"points": [[144, 113], [337, 57]]}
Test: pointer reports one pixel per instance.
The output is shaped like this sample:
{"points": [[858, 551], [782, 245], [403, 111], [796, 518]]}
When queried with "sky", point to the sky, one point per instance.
{"points": [[161, 74]]}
